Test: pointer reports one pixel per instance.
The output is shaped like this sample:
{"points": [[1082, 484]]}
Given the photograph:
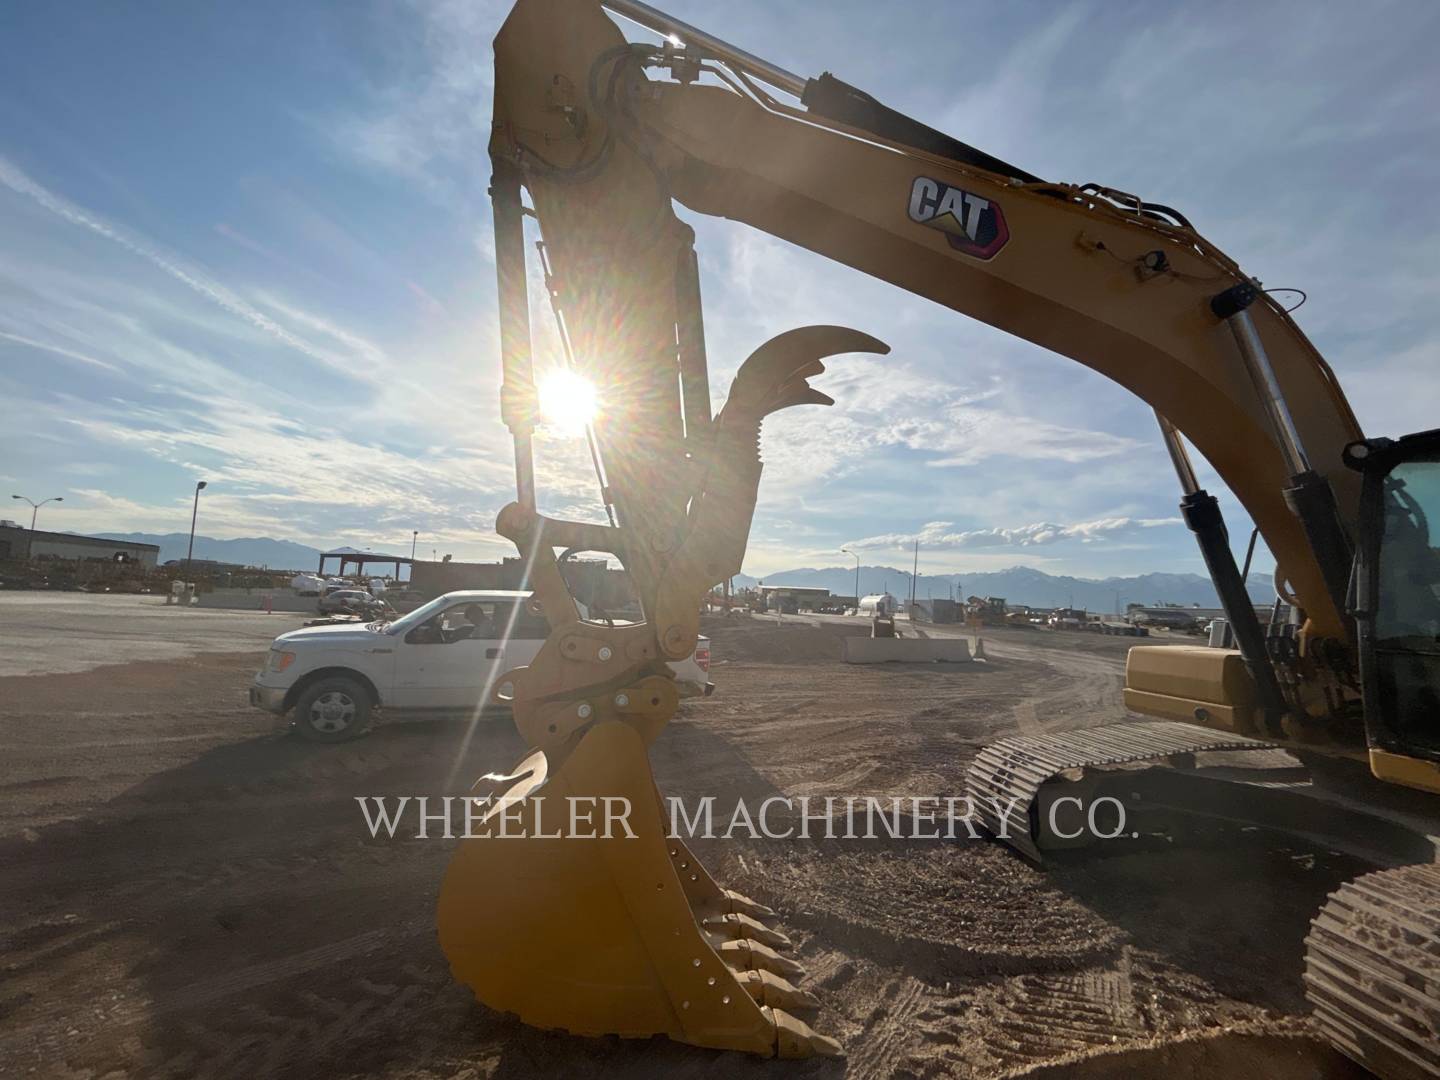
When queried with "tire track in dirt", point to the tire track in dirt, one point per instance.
{"points": [[42, 1032], [1090, 688], [321, 1027], [889, 1029]]}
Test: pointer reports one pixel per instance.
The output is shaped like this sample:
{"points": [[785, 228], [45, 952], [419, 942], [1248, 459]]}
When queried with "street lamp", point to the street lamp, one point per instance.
{"points": [[847, 551], [190, 551], [34, 512]]}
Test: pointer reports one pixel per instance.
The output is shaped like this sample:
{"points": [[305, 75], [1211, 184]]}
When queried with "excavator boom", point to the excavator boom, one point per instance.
{"points": [[629, 934]]}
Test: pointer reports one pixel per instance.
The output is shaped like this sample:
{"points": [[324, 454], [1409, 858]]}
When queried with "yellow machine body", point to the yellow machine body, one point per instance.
{"points": [[1191, 683], [626, 933]]}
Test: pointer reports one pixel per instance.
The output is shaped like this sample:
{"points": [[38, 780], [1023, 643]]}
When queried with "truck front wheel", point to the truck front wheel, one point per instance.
{"points": [[332, 710]]}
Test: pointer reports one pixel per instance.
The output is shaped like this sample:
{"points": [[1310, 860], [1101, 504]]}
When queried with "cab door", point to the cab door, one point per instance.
{"points": [[1396, 593], [459, 674], [433, 663], [512, 638], [471, 662], [418, 656]]}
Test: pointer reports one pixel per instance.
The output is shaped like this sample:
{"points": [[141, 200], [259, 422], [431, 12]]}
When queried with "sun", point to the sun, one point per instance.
{"points": [[567, 401]]}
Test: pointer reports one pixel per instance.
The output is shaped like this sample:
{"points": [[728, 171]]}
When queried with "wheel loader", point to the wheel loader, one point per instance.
{"points": [[597, 139]]}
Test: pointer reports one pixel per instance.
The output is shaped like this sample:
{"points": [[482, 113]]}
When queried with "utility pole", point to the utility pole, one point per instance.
{"points": [[34, 512], [194, 512]]}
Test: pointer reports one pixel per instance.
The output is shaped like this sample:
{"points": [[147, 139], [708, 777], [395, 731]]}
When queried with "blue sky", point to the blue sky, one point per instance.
{"points": [[250, 244]]}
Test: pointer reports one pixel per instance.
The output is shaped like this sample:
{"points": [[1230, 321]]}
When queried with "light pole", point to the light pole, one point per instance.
{"points": [[190, 551], [847, 551], [915, 572], [414, 538], [34, 513]]}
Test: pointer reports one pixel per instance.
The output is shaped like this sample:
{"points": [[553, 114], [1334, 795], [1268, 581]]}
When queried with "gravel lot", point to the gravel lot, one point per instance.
{"points": [[188, 891], [44, 633]]}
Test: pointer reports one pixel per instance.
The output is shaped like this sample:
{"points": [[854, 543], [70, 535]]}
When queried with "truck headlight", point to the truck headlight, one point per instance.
{"points": [[279, 661]]}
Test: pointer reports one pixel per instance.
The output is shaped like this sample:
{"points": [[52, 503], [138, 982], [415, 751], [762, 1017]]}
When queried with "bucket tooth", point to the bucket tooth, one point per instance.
{"points": [[770, 989], [796, 1039], [737, 926], [741, 904], [742, 954]]}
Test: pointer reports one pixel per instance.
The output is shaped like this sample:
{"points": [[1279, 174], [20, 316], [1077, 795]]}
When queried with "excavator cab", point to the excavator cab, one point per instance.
{"points": [[1395, 600]]}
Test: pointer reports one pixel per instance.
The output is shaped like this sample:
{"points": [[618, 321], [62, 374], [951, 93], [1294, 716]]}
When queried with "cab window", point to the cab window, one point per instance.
{"points": [[487, 620], [1407, 616]]}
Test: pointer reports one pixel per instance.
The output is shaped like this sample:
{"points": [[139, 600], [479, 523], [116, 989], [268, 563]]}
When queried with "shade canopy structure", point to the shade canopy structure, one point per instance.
{"points": [[360, 560]]}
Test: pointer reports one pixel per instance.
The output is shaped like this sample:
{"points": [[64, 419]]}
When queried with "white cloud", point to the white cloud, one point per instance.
{"points": [[18, 182], [429, 119], [69, 354], [362, 358], [936, 536]]}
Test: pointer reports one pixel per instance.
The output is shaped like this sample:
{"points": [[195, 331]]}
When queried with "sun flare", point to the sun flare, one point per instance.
{"points": [[567, 401]]}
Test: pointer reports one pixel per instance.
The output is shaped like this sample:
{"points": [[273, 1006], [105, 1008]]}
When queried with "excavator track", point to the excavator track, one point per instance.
{"points": [[1006, 777], [1372, 971]]}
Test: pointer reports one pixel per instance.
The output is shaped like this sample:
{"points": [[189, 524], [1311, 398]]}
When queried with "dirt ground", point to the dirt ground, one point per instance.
{"points": [[188, 891]]}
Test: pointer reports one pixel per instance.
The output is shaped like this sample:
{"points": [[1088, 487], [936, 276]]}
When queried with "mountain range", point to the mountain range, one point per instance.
{"points": [[246, 551], [1019, 585]]}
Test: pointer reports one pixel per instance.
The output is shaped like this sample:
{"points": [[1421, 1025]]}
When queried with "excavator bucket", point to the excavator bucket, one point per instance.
{"points": [[572, 909], [568, 903]]}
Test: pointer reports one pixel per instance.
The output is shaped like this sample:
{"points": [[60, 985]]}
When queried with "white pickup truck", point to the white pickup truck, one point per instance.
{"points": [[441, 658]]}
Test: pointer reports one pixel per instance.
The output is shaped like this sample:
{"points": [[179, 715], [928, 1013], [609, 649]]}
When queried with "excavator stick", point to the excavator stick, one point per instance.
{"points": [[568, 904]]}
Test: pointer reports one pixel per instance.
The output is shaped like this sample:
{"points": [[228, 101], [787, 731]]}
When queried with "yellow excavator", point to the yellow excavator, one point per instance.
{"points": [[626, 933]]}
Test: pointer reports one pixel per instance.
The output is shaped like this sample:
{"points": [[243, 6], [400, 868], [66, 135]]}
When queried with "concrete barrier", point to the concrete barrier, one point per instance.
{"points": [[255, 600], [909, 650]]}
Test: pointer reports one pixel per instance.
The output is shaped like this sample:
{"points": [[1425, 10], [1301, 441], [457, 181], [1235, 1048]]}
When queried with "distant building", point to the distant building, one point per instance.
{"points": [[16, 543], [600, 587], [361, 561], [431, 579]]}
